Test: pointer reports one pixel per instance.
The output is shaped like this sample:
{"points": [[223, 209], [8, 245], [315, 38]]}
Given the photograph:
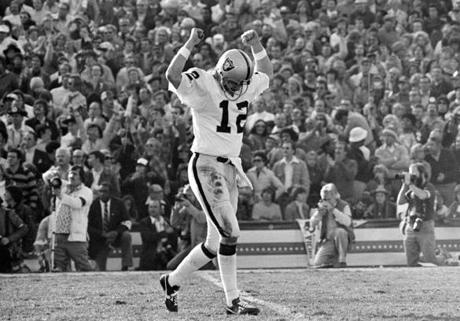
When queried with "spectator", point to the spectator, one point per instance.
{"points": [[260, 113], [297, 208], [16, 174], [334, 215], [391, 154], [17, 130], [341, 171], [109, 227], [61, 167], [381, 207], [443, 168], [292, 172], [33, 155], [14, 202], [156, 252], [454, 208], [262, 177], [137, 185], [12, 231], [266, 209], [101, 174], [73, 201]]}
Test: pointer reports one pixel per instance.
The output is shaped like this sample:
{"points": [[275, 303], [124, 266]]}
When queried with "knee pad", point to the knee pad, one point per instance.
{"points": [[227, 249]]}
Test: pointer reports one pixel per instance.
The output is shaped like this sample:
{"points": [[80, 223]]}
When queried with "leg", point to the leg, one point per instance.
{"points": [[341, 243], [411, 247], [61, 258], [327, 254], [428, 242], [78, 252], [126, 250], [101, 258]]}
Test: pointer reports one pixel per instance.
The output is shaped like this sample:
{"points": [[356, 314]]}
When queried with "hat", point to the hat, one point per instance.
{"points": [[14, 110], [357, 134], [4, 28], [142, 161], [106, 46], [69, 119], [380, 189], [155, 188], [36, 82], [391, 132]]}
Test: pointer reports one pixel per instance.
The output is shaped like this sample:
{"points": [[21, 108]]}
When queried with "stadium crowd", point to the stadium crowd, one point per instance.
{"points": [[362, 89]]}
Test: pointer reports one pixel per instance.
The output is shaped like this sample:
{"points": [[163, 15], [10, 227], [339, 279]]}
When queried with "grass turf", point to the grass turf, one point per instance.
{"points": [[345, 294]]}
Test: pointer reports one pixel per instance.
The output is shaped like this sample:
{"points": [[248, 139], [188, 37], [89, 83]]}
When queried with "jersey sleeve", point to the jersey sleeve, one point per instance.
{"points": [[259, 83], [191, 87]]}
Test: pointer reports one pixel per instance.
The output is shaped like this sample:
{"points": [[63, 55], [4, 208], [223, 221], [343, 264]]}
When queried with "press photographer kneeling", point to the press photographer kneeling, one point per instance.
{"points": [[417, 223]]}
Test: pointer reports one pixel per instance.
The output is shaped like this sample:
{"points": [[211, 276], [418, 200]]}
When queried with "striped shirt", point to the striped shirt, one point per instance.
{"points": [[27, 182]]}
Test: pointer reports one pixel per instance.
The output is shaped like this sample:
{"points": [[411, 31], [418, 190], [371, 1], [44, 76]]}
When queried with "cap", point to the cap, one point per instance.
{"points": [[187, 23], [357, 134], [106, 46], [155, 188], [142, 161]]}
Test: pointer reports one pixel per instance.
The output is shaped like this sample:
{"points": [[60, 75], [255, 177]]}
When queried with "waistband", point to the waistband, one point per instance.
{"points": [[220, 159]]}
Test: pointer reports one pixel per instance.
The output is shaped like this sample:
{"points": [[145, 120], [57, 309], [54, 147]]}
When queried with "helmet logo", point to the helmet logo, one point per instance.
{"points": [[228, 65]]}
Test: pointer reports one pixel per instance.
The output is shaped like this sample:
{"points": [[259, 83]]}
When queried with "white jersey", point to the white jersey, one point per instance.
{"points": [[218, 123]]}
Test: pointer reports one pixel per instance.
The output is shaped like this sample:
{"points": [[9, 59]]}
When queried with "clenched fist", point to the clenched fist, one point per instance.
{"points": [[196, 36], [250, 38]]}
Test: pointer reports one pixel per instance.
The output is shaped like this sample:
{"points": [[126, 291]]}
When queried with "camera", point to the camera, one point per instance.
{"points": [[416, 222], [401, 176], [56, 182]]}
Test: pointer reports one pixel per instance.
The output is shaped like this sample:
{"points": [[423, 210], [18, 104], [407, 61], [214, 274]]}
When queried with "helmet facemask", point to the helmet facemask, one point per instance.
{"points": [[232, 89]]}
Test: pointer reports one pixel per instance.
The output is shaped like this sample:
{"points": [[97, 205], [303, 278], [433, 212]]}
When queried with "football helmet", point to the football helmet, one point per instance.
{"points": [[235, 69]]}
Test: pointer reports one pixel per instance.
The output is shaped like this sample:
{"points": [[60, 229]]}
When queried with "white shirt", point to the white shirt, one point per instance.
{"points": [[30, 155], [218, 123], [159, 223], [103, 205], [289, 171], [96, 177]]}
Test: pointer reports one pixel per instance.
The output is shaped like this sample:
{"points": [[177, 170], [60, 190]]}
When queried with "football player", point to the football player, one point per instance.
{"points": [[219, 100]]}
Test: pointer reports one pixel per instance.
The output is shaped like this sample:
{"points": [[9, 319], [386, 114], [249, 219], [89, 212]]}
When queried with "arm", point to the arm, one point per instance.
{"points": [[277, 184], [403, 161], [77, 202], [344, 217], [174, 71], [263, 63]]}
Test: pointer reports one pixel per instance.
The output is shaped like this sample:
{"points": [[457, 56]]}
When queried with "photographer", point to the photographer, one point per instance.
{"points": [[334, 215], [417, 224], [189, 218]]}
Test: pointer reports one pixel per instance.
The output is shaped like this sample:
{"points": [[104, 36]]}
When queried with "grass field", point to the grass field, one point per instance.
{"points": [[346, 294]]}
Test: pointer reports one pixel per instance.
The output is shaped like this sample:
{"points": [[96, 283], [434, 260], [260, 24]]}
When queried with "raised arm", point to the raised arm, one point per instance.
{"points": [[174, 71], [263, 63]]}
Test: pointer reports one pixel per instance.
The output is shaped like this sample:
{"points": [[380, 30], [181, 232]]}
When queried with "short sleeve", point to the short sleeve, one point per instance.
{"points": [[190, 87], [259, 83]]}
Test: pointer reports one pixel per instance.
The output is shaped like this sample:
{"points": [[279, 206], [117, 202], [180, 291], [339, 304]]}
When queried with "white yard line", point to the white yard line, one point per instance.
{"points": [[278, 308]]}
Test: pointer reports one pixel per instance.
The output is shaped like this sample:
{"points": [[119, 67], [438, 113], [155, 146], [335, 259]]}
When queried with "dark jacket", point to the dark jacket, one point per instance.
{"points": [[150, 258], [118, 214], [42, 161]]}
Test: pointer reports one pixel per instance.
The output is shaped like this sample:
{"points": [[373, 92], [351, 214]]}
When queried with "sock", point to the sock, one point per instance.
{"points": [[227, 268], [198, 257]]}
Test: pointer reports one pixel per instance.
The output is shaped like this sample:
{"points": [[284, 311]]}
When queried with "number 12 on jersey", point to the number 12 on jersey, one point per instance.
{"points": [[240, 120]]}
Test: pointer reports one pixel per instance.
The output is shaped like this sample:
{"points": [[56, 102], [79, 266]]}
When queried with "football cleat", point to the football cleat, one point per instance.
{"points": [[240, 307], [170, 293]]}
